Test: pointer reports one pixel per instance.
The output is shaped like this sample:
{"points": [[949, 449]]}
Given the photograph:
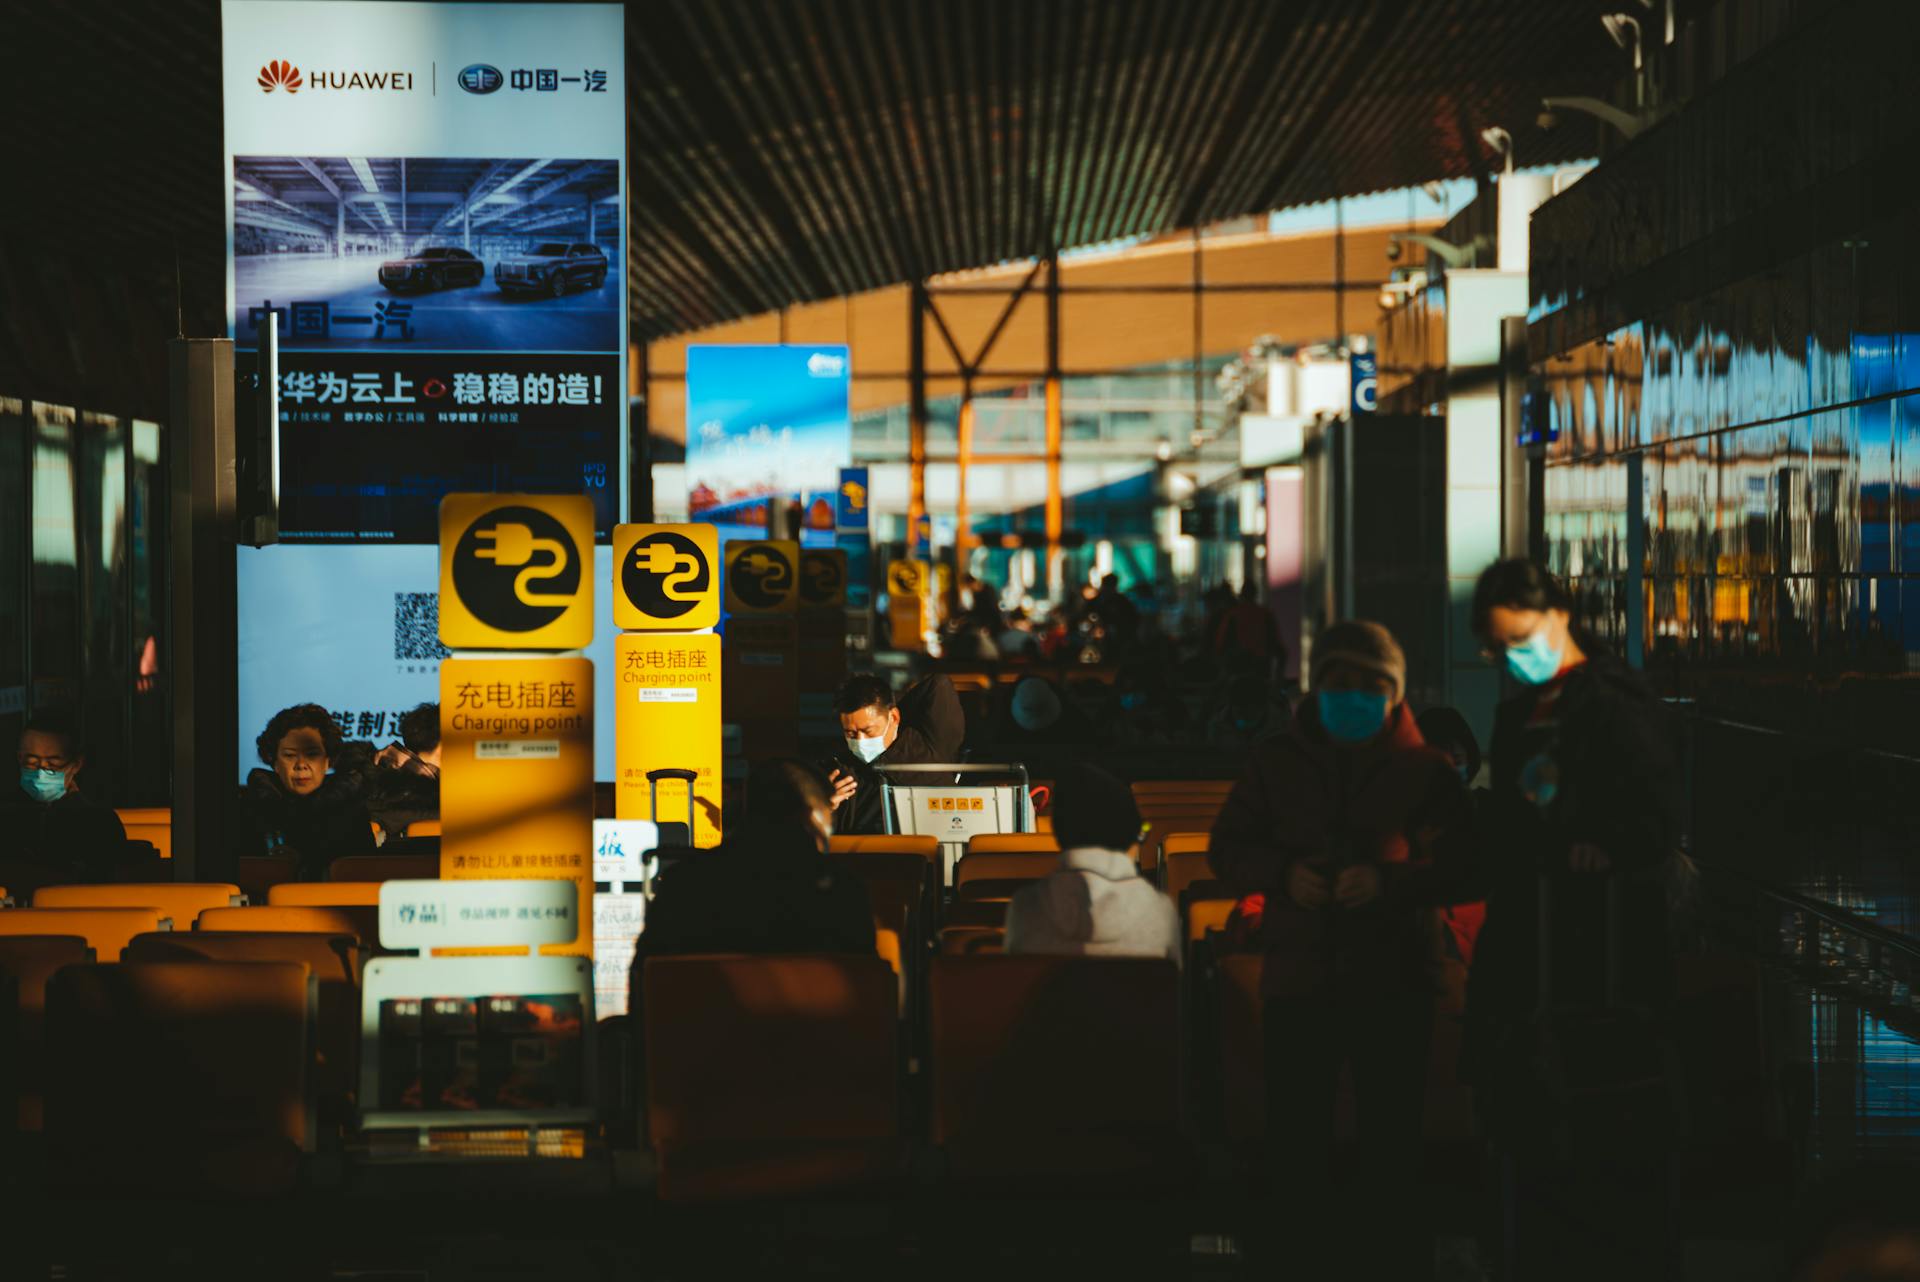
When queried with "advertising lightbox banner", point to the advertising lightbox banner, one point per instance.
{"points": [[429, 200], [357, 631], [767, 424]]}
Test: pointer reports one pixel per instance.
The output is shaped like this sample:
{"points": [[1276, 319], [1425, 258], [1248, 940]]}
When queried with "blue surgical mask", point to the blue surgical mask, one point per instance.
{"points": [[1351, 716], [1534, 661], [867, 749], [43, 785]]}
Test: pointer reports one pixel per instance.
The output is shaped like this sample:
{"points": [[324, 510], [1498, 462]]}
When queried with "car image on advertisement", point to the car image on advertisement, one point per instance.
{"points": [[553, 267], [436, 268]]}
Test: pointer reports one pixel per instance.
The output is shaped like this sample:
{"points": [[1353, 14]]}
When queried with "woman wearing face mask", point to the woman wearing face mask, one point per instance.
{"points": [[1351, 829], [1584, 793], [294, 807]]}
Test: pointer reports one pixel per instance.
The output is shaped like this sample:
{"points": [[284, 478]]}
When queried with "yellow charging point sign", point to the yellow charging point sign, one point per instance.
{"points": [[516, 571], [763, 577], [667, 716], [516, 779], [666, 578]]}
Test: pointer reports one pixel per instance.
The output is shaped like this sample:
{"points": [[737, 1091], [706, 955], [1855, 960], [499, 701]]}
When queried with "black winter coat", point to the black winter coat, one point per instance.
{"points": [[1614, 784], [932, 728], [319, 828], [54, 843]]}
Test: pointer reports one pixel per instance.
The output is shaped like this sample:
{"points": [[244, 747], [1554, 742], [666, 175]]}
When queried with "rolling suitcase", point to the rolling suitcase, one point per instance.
{"points": [[675, 840], [1587, 1184]]}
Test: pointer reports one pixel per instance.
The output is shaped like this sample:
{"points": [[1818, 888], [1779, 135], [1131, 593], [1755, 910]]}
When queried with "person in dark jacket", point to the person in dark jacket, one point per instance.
{"points": [[926, 726], [400, 783], [294, 807], [51, 833], [1353, 831], [768, 888]]}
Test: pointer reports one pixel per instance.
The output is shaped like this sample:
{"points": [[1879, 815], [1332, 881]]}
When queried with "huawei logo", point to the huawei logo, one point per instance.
{"points": [[279, 74]]}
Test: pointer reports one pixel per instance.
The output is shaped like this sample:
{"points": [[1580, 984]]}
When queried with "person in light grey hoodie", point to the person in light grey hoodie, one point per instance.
{"points": [[1097, 904]]}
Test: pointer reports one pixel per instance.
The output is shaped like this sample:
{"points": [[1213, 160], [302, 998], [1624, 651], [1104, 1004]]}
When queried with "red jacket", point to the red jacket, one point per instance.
{"points": [[1394, 803]]}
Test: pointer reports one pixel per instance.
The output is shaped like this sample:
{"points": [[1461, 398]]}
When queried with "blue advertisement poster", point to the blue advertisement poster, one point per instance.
{"points": [[767, 424], [428, 201]]}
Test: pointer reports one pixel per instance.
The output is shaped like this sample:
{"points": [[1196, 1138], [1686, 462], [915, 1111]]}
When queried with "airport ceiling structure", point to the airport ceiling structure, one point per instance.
{"points": [[788, 151]]}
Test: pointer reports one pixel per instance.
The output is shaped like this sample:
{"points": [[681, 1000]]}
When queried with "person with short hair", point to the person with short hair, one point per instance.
{"points": [[1351, 830], [294, 806], [1097, 904], [400, 783], [925, 726], [768, 888], [51, 832]]}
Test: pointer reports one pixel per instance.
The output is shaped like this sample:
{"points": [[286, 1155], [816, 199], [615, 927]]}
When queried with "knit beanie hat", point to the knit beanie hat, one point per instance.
{"points": [[1358, 643], [1036, 706]]}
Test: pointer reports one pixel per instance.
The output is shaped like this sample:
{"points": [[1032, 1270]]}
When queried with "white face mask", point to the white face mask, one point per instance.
{"points": [[867, 749]]}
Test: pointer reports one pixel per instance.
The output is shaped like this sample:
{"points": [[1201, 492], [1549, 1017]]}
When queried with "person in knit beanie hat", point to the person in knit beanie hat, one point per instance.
{"points": [[1344, 835]]}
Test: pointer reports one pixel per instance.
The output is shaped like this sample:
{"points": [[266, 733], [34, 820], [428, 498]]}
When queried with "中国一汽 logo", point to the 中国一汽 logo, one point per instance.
{"points": [[481, 78], [279, 74]]}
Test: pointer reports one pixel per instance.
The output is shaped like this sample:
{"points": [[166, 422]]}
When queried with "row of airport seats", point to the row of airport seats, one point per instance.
{"points": [[154, 826]]}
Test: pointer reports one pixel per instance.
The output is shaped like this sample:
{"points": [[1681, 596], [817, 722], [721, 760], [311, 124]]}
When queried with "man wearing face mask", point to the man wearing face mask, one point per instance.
{"points": [[1352, 831], [50, 832], [1585, 796], [924, 727]]}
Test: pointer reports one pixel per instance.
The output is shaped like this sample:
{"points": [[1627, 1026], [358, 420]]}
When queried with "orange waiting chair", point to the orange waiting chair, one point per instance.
{"points": [[988, 875], [220, 1104], [771, 1076], [268, 919], [325, 894], [1006, 1029], [106, 930], [1205, 915], [384, 868], [151, 824], [256, 874], [181, 900], [928, 848], [1186, 868], [959, 941], [334, 961], [424, 828], [1013, 843], [1150, 791], [27, 962]]}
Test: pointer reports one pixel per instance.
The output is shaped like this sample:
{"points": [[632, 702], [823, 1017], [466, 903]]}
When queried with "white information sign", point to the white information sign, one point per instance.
{"points": [[620, 846], [477, 914]]}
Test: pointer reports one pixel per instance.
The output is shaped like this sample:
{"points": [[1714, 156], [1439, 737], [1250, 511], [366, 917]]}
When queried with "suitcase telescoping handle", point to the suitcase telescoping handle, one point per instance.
{"points": [[688, 777], [1543, 945]]}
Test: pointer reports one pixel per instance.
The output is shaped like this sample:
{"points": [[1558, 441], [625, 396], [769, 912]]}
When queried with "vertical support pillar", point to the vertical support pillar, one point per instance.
{"points": [[340, 227], [204, 518], [1515, 478], [466, 226], [961, 542], [1056, 505], [1636, 586], [916, 409]]}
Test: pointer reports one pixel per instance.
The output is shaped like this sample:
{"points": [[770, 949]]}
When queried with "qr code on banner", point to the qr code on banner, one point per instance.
{"points": [[416, 626]]}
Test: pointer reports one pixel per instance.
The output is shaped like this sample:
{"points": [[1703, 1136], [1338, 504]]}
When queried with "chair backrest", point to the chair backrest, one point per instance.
{"points": [[1147, 791], [1160, 826], [1005, 843], [325, 894], [969, 912], [1034, 1055], [256, 874], [180, 900], [1030, 865], [424, 828], [959, 941], [1243, 1080], [151, 824], [927, 848], [767, 1050], [1204, 915], [333, 960], [107, 930], [1185, 843], [221, 1092], [265, 919], [883, 865], [30, 960], [1186, 868], [27, 962], [377, 868]]}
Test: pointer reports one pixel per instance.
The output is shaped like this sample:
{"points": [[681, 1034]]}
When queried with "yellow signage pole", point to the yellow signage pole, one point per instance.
{"points": [[666, 600], [516, 779], [907, 592], [762, 646]]}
